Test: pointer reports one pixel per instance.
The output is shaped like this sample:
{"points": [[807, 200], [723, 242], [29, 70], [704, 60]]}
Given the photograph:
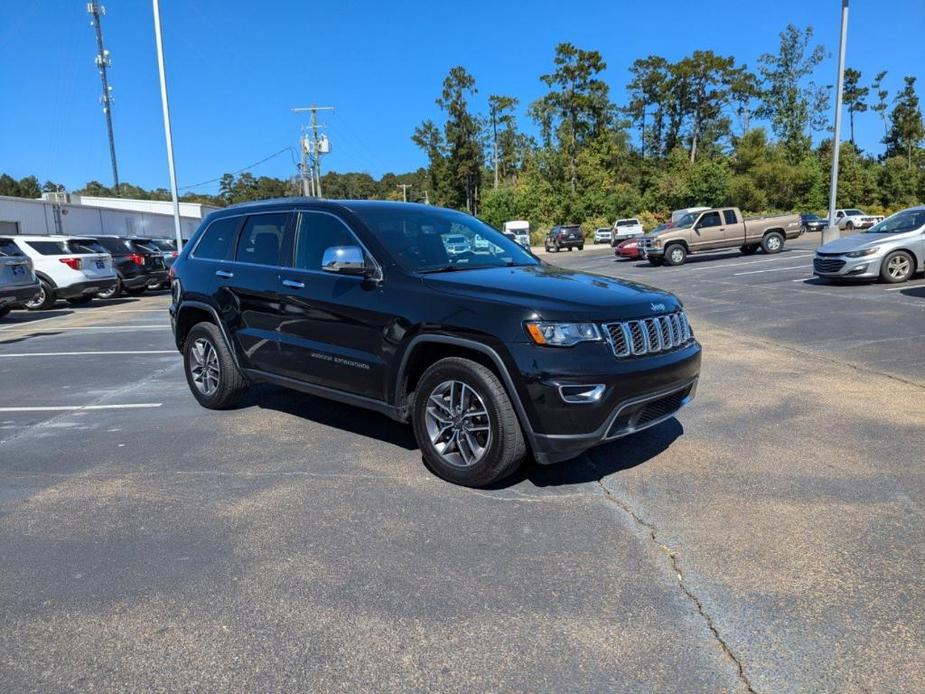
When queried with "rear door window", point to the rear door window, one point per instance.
{"points": [[730, 216], [262, 238], [217, 240]]}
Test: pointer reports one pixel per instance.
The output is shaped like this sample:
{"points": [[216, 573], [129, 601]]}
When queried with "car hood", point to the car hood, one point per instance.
{"points": [[555, 293], [857, 242]]}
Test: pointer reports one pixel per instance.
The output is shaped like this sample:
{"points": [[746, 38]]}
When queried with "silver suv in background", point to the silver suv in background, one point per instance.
{"points": [[892, 250], [18, 283]]}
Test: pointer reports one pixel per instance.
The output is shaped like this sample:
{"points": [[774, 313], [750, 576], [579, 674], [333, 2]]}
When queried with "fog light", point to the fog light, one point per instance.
{"points": [[582, 394], [858, 270]]}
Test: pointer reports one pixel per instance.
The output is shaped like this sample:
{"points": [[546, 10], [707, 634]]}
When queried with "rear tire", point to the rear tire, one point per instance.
{"points": [[772, 242], [111, 293], [675, 254], [44, 299], [81, 300], [897, 267], [749, 249], [435, 424], [581, 247], [210, 370]]}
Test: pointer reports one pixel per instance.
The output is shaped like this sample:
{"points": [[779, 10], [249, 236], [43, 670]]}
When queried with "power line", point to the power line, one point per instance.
{"points": [[239, 171], [103, 63]]}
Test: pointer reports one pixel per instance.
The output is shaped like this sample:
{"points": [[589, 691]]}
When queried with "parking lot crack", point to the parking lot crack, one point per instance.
{"points": [[672, 556]]}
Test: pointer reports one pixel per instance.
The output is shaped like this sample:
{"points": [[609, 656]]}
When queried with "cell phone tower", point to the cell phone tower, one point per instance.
{"points": [[103, 63]]}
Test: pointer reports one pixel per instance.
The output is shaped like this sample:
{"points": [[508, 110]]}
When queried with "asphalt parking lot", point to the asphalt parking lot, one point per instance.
{"points": [[768, 539]]}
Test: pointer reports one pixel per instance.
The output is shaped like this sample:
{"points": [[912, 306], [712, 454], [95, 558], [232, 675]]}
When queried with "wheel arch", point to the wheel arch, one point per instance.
{"points": [[681, 242], [779, 230], [46, 279], [192, 312], [424, 350]]}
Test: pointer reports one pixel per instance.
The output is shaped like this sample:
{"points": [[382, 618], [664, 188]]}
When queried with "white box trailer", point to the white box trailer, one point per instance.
{"points": [[520, 230]]}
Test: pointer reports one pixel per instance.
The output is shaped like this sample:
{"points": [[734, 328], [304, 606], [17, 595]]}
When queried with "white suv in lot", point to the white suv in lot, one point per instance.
{"points": [[855, 219], [68, 267]]}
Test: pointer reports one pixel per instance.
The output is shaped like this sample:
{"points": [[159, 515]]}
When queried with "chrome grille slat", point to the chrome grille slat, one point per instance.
{"points": [[636, 338]]}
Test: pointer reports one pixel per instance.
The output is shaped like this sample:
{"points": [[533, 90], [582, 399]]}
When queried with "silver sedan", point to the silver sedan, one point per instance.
{"points": [[893, 250]]}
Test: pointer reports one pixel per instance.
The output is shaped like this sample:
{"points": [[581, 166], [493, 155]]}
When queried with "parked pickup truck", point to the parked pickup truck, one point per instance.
{"points": [[716, 229]]}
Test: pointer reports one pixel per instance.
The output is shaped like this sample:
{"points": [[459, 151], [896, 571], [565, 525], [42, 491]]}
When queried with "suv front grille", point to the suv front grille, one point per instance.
{"points": [[635, 338]]}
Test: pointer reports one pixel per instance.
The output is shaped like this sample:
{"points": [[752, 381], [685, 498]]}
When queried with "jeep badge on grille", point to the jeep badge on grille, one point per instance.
{"points": [[657, 307]]}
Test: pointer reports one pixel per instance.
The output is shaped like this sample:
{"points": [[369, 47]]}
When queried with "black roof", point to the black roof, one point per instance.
{"points": [[274, 203]]}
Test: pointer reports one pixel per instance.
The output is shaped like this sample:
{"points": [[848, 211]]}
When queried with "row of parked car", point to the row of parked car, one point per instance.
{"points": [[36, 271]]}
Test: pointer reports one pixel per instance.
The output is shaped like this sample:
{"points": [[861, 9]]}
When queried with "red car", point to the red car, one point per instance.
{"points": [[628, 249]]}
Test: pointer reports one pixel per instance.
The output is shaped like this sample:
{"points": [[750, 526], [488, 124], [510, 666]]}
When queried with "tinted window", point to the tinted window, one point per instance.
{"points": [[413, 235], [710, 219], [261, 238], [49, 247], [627, 223], [316, 233], [85, 246], [114, 246], [9, 247], [853, 213], [730, 216], [217, 239]]}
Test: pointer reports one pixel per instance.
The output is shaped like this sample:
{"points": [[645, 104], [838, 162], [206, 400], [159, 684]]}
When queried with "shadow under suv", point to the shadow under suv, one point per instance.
{"points": [[490, 353]]}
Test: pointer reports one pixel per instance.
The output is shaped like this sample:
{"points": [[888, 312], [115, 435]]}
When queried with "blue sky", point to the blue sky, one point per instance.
{"points": [[236, 67]]}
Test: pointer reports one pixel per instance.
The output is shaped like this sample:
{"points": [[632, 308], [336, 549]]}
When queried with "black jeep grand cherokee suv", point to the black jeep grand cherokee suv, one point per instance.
{"points": [[489, 352]]}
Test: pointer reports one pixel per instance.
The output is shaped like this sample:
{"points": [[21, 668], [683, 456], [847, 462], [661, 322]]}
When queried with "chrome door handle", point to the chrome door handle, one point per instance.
{"points": [[224, 274], [294, 284]]}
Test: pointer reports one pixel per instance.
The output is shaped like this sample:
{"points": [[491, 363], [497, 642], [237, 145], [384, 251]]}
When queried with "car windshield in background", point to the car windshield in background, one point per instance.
{"points": [[909, 220], [686, 221], [50, 247], [417, 239]]}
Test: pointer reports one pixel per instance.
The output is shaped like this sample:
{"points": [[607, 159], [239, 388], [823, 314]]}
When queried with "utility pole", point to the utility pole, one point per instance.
{"points": [[319, 146], [304, 147], [404, 190], [165, 108], [103, 63], [832, 232]]}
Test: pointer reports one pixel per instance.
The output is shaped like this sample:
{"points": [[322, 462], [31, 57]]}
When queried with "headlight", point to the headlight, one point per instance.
{"points": [[657, 243], [562, 334], [861, 254]]}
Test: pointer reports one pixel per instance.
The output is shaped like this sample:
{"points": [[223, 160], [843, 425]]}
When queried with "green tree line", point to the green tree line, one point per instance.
{"points": [[703, 130]]}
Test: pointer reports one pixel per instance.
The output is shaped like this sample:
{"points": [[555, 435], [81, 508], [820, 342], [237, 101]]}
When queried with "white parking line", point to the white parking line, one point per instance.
{"points": [[904, 286], [77, 408], [86, 354], [776, 269], [788, 256]]}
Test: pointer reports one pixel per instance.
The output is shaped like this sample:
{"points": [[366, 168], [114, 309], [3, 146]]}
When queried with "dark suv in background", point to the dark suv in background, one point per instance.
{"points": [[488, 352], [564, 236], [137, 263]]}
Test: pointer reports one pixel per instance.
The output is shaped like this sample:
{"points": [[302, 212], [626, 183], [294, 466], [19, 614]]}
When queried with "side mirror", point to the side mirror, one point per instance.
{"points": [[348, 260]]}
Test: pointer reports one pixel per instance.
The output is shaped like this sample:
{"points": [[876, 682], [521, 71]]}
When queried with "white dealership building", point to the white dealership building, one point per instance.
{"points": [[80, 215]]}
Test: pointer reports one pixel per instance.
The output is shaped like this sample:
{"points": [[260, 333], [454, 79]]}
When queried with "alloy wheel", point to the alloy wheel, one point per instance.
{"points": [[898, 267], [457, 423], [773, 243], [204, 367], [37, 300], [677, 255]]}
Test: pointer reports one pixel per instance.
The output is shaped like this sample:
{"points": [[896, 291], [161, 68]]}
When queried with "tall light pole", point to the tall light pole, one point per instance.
{"points": [[404, 190], [165, 107], [103, 63], [832, 232]]}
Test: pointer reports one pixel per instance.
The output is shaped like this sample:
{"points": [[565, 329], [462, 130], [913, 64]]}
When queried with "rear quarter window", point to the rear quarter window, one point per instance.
{"points": [[85, 246], [49, 247]]}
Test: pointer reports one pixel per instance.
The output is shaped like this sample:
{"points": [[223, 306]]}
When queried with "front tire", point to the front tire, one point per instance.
{"points": [[675, 254], [897, 267], [44, 299], [849, 226], [210, 370], [772, 243], [465, 424]]}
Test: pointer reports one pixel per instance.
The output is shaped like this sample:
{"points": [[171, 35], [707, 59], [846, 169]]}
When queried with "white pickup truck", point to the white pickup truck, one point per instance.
{"points": [[625, 229], [852, 218]]}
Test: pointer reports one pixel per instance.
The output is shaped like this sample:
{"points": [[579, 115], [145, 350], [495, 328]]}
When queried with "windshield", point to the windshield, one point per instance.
{"points": [[687, 220], [417, 239], [908, 220]]}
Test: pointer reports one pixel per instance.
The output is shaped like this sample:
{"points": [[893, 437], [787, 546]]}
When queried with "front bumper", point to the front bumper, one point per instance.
{"points": [[843, 267], [79, 289], [638, 393], [18, 294]]}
